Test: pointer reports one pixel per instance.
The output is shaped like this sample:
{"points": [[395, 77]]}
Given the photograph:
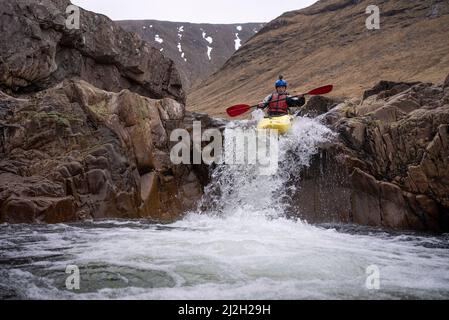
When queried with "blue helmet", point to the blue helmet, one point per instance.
{"points": [[281, 82]]}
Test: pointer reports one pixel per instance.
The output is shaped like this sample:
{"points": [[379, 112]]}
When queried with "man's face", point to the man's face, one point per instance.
{"points": [[281, 90]]}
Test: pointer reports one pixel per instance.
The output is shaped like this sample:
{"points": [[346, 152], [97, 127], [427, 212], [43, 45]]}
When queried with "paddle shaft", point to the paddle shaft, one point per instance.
{"points": [[299, 95], [241, 109]]}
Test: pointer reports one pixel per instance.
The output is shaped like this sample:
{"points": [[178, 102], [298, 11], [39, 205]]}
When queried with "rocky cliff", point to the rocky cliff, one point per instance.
{"points": [[37, 51], [198, 50], [329, 43], [85, 118], [389, 165]]}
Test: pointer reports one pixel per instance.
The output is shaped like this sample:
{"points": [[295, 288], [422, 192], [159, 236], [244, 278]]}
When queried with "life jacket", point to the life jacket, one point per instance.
{"points": [[279, 107]]}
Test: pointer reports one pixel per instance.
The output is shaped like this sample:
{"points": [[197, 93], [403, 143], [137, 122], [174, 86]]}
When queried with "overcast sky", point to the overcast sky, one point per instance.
{"points": [[211, 11]]}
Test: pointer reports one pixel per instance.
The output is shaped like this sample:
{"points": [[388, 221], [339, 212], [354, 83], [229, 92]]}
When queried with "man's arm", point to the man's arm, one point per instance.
{"points": [[265, 102], [296, 101]]}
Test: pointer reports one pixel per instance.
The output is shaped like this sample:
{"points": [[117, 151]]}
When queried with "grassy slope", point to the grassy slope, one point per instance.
{"points": [[328, 43]]}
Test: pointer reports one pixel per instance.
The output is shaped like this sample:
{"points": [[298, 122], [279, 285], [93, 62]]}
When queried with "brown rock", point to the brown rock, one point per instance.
{"points": [[18, 210], [318, 105], [45, 52], [171, 110], [418, 182], [387, 89], [96, 180], [398, 145], [353, 131], [394, 207], [366, 207], [149, 192], [55, 210], [95, 171]]}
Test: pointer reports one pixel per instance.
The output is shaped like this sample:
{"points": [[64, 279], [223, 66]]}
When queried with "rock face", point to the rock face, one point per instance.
{"points": [[390, 165], [38, 51], [85, 121], [74, 152], [197, 49], [329, 43]]}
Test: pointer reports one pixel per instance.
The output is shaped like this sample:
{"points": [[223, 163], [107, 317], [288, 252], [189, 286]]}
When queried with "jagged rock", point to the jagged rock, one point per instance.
{"points": [[38, 51], [343, 110], [353, 131], [388, 89], [103, 155], [317, 105], [390, 161], [33, 199], [365, 199]]}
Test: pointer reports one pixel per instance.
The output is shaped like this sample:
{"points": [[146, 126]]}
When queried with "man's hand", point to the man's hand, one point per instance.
{"points": [[261, 105]]}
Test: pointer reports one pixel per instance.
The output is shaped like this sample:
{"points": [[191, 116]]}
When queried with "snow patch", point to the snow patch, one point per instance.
{"points": [[208, 39], [237, 42], [158, 39], [182, 53], [180, 35], [239, 28], [209, 51], [180, 31]]}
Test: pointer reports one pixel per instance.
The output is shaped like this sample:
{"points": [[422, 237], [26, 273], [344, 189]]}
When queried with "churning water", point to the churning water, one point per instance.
{"points": [[238, 245]]}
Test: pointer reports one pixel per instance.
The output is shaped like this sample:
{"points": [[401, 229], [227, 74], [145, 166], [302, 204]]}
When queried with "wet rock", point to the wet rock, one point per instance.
{"points": [[365, 199], [85, 117], [353, 131], [97, 168], [392, 156]]}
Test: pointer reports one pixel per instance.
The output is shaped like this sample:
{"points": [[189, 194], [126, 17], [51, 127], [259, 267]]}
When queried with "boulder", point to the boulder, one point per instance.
{"points": [[317, 105]]}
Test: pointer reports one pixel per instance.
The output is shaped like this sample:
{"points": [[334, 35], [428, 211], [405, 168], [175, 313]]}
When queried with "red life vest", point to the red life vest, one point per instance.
{"points": [[278, 106]]}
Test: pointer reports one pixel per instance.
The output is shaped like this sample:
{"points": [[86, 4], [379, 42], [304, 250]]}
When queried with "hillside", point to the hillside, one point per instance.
{"points": [[198, 50], [328, 42]]}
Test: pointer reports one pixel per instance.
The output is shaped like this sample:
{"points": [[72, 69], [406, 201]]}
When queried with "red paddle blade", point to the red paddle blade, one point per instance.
{"points": [[238, 110], [322, 90]]}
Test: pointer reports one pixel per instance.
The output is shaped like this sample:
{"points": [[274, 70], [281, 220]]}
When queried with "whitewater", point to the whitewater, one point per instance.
{"points": [[241, 243]]}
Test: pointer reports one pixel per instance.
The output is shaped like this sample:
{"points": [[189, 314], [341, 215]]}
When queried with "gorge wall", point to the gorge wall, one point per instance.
{"points": [[388, 166], [85, 119]]}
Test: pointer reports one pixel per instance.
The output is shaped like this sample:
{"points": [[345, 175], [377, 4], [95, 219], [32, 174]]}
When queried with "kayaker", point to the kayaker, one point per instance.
{"points": [[279, 102]]}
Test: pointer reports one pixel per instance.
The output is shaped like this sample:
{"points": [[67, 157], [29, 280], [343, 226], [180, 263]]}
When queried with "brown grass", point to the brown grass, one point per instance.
{"points": [[333, 47]]}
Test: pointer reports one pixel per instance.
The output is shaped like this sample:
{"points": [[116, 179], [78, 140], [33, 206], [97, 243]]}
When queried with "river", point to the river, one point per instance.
{"points": [[239, 244]]}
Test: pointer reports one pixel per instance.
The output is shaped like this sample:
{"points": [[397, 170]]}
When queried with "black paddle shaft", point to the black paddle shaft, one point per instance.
{"points": [[299, 95]]}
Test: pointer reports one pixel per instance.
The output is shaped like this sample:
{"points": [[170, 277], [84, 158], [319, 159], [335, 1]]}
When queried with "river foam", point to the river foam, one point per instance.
{"points": [[239, 246]]}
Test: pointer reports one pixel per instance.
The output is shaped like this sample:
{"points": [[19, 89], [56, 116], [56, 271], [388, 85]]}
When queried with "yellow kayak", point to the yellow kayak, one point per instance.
{"points": [[283, 124]]}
